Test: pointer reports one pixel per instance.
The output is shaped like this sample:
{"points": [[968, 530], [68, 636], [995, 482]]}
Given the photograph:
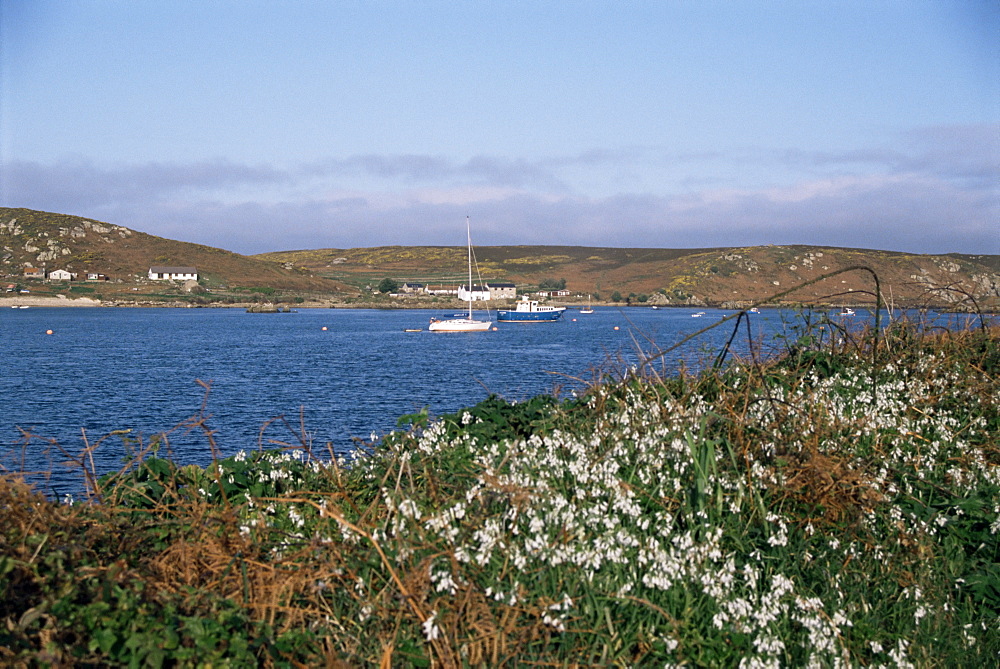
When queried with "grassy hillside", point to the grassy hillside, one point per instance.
{"points": [[58, 241], [731, 276]]}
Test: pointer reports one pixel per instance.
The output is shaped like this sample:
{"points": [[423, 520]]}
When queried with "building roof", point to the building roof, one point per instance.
{"points": [[173, 270]]}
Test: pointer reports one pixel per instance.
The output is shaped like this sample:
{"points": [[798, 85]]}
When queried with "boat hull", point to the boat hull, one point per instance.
{"points": [[528, 316], [459, 325]]}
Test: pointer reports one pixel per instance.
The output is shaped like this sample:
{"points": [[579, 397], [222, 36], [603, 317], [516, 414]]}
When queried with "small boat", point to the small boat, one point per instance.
{"points": [[847, 311], [530, 311], [589, 309], [698, 315], [464, 322], [754, 310]]}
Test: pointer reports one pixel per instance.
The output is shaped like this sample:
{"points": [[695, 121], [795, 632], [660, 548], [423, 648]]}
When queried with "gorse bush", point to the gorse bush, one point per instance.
{"points": [[837, 507]]}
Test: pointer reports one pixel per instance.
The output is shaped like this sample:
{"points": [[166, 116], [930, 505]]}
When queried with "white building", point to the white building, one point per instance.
{"points": [[479, 293], [173, 273], [61, 275]]}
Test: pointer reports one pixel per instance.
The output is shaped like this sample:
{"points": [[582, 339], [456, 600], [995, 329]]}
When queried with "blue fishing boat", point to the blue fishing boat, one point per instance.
{"points": [[530, 311]]}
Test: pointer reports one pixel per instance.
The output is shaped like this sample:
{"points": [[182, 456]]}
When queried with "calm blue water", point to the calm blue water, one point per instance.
{"points": [[138, 369]]}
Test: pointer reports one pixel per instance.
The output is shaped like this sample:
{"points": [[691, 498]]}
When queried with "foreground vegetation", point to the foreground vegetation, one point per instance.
{"points": [[838, 507]]}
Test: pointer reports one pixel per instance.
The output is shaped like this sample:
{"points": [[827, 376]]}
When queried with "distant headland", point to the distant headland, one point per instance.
{"points": [[61, 259]]}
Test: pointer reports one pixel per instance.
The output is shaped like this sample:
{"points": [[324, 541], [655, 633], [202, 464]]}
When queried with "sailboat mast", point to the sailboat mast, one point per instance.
{"points": [[468, 236]]}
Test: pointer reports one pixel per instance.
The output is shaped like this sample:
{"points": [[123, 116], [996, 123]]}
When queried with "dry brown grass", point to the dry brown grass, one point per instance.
{"points": [[829, 484]]}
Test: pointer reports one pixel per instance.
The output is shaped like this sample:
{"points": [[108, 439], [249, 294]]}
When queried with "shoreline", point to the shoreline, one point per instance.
{"points": [[57, 301], [62, 301]]}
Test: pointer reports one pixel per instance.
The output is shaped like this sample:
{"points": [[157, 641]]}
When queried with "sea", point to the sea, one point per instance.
{"points": [[96, 385]]}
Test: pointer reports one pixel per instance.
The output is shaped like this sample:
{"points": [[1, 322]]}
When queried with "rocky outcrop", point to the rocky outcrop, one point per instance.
{"points": [[986, 284], [268, 308]]}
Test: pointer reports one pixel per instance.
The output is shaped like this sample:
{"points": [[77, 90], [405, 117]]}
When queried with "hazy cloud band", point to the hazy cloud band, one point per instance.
{"points": [[938, 193]]}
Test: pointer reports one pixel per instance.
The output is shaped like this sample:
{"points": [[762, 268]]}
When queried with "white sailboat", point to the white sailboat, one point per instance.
{"points": [[465, 323], [589, 309]]}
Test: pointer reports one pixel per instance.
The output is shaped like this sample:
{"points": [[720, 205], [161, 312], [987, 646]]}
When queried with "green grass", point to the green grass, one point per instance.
{"points": [[840, 506]]}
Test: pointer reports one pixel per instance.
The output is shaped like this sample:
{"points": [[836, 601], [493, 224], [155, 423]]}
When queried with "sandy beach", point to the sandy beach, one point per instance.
{"points": [[21, 300]]}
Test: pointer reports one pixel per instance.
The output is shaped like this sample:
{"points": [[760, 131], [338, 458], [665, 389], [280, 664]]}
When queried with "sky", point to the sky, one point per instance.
{"points": [[259, 126]]}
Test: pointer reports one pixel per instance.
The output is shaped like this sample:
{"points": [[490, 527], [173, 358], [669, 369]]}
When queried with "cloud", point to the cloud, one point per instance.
{"points": [[893, 214], [412, 169], [933, 191], [906, 214], [67, 186], [950, 152]]}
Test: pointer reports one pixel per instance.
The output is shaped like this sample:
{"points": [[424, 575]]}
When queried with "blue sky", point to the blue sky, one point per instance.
{"points": [[259, 126]]}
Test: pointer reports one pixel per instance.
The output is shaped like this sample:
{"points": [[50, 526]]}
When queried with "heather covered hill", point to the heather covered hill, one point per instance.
{"points": [[81, 245], [719, 276], [730, 277]]}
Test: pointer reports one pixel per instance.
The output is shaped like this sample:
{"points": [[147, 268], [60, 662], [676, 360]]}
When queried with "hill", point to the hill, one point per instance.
{"points": [[712, 276], [731, 277], [80, 245]]}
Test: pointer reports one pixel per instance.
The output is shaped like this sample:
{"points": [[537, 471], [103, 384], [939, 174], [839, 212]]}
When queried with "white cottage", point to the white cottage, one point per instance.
{"points": [[173, 274], [479, 293], [61, 275]]}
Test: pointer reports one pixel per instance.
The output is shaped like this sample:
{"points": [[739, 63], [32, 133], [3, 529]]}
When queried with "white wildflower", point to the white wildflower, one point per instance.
{"points": [[431, 630]]}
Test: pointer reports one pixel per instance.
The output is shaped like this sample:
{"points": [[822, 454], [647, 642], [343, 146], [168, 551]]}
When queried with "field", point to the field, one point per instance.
{"points": [[838, 506]]}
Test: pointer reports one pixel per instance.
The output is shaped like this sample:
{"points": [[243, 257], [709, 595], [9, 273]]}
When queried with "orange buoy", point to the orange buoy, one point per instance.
{"points": [[616, 327], [48, 332], [324, 328]]}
